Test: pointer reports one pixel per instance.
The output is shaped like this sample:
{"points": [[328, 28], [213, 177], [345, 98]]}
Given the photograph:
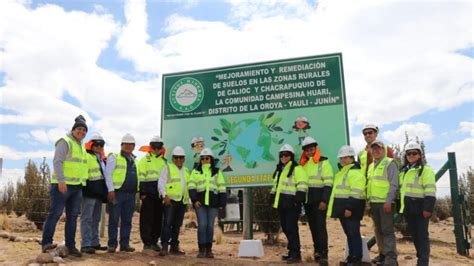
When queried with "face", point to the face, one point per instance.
{"points": [[300, 124], [377, 152], [413, 155], [369, 135], [206, 159], [178, 161], [128, 147], [97, 148], [346, 160], [198, 146], [79, 133], [309, 152], [285, 157]]}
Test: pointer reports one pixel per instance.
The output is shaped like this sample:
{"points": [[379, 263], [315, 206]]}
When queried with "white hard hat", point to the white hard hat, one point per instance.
{"points": [[206, 152], [378, 143], [196, 139], [287, 147], [345, 151], [97, 136], [156, 139], [128, 138], [301, 119], [371, 126], [413, 146], [178, 151], [308, 141]]}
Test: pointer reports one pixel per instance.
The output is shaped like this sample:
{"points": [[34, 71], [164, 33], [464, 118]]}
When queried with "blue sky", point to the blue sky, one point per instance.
{"points": [[403, 72]]}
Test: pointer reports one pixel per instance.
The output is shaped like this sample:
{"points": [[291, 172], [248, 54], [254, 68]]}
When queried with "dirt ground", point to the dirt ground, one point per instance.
{"points": [[443, 249]]}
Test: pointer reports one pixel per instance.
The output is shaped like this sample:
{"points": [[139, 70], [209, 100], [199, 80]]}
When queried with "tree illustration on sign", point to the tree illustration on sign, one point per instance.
{"points": [[248, 140]]}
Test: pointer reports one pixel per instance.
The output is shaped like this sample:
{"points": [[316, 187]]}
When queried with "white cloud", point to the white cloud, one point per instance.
{"points": [[397, 136], [8, 153], [467, 127], [10, 175]]}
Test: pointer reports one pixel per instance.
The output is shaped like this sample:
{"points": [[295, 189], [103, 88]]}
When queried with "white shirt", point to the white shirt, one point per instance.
{"points": [[164, 178]]}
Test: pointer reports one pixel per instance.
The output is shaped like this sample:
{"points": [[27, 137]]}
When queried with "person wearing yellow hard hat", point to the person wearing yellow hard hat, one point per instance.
{"points": [[418, 196], [207, 190], [290, 185], [348, 202], [174, 190]]}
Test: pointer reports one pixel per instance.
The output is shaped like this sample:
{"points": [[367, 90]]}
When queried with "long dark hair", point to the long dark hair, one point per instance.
{"points": [[420, 162], [279, 167], [214, 168]]}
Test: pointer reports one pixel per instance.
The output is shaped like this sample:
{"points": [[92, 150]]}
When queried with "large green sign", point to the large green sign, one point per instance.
{"points": [[245, 113]]}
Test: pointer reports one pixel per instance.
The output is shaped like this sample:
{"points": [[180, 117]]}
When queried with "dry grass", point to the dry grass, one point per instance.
{"points": [[4, 222]]}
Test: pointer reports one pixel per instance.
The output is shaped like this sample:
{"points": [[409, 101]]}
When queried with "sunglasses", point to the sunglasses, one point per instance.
{"points": [[99, 143], [368, 133], [285, 155], [412, 153], [178, 157], [205, 158]]}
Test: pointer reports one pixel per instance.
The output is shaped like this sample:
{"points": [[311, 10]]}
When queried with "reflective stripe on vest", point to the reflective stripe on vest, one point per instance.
{"points": [[411, 184], [363, 159], [94, 168], [150, 168], [286, 185], [174, 189], [378, 184], [120, 171], [204, 182], [75, 163]]}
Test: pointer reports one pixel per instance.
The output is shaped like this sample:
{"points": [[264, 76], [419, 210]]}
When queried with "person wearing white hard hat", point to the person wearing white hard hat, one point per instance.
{"points": [[174, 190], [207, 190], [382, 188], [348, 202], [121, 177], [93, 194], [151, 209], [365, 158], [197, 144], [69, 172], [418, 196], [320, 179], [301, 126], [288, 193]]}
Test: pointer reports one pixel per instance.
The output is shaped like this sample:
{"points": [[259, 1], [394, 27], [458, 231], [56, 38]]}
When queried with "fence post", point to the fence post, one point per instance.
{"points": [[453, 180], [248, 214]]}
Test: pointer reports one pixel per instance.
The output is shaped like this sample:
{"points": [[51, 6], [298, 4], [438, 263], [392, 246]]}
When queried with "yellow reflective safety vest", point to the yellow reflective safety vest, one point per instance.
{"points": [[319, 174], [207, 186], [378, 184], [150, 167], [75, 163], [289, 185], [417, 184], [174, 186], [93, 166], [363, 159], [120, 171], [348, 183]]}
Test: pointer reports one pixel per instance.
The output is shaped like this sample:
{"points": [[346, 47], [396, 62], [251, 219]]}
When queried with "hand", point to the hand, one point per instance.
{"points": [[197, 205], [347, 213], [142, 197], [426, 214], [322, 206], [167, 201], [387, 207], [111, 196], [62, 187]]}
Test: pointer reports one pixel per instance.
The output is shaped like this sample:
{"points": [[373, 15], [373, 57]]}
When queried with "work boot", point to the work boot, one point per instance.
{"points": [[147, 247], [156, 247], [48, 247], [379, 260], [73, 251], [99, 247], [346, 261], [111, 249], [164, 250], [174, 250], [127, 249], [292, 260], [202, 251], [209, 253], [88, 250], [355, 261], [317, 256], [285, 257], [323, 259]]}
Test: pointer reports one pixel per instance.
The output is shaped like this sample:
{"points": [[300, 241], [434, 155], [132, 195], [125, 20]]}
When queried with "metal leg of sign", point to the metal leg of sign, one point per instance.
{"points": [[248, 214]]}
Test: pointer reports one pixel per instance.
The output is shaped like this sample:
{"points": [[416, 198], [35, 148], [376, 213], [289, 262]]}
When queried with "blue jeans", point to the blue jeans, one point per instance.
{"points": [[206, 217], [90, 218], [351, 228], [174, 215], [121, 209], [71, 200]]}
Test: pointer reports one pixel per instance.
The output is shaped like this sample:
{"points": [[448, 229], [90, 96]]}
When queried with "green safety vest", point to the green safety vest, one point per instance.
{"points": [[289, 185], [75, 163], [207, 183], [120, 171], [378, 183], [174, 187], [93, 166], [319, 174], [363, 160], [150, 168], [417, 185], [347, 183]]}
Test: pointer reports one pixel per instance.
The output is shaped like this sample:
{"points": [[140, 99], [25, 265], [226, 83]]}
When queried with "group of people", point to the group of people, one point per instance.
{"points": [[84, 178], [370, 176]]}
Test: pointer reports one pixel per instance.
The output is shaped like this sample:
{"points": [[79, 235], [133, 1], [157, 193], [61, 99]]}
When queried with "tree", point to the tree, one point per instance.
{"points": [[266, 216], [7, 198]]}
